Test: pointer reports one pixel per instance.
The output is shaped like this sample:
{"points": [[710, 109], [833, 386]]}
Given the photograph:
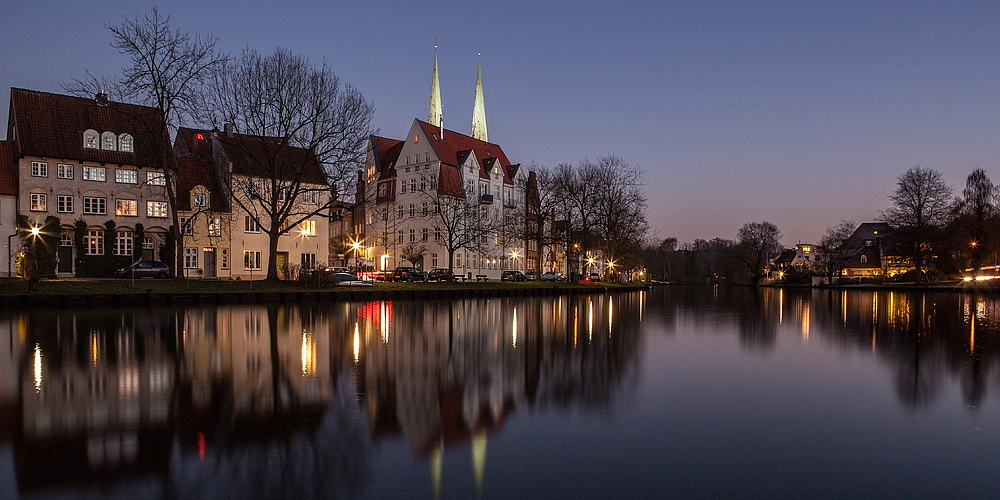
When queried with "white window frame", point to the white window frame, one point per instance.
{"points": [[64, 203], [156, 178], [109, 141], [95, 205], [39, 169], [250, 225], [307, 228], [91, 139], [215, 226], [251, 260], [156, 209], [126, 208], [125, 143], [190, 257], [93, 242], [223, 258], [39, 202], [187, 225], [126, 176], [123, 242], [64, 171], [199, 200], [96, 174]]}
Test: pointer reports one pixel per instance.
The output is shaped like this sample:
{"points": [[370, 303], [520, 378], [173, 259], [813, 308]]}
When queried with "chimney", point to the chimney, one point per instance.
{"points": [[101, 99], [229, 130]]}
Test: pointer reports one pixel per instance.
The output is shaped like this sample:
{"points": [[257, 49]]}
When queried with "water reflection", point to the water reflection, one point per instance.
{"points": [[290, 401]]}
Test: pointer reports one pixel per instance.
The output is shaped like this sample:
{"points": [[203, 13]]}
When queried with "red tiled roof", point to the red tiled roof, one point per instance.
{"points": [[8, 169], [45, 124], [386, 155], [455, 147], [254, 156]]}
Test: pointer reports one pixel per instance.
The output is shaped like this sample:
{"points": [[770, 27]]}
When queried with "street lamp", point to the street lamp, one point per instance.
{"points": [[513, 258], [356, 245], [611, 268]]}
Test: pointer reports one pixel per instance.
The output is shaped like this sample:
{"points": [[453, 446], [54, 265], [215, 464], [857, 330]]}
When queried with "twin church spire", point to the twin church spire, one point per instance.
{"points": [[435, 115]]}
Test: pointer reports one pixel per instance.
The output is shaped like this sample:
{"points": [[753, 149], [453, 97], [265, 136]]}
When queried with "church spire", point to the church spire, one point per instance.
{"points": [[479, 108], [434, 115]]}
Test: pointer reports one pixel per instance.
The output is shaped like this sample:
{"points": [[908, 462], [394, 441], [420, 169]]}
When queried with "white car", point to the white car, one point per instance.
{"points": [[346, 279]]}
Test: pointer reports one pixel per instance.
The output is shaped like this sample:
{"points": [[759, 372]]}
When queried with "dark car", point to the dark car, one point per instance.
{"points": [[440, 275], [407, 274], [144, 269], [512, 276]]}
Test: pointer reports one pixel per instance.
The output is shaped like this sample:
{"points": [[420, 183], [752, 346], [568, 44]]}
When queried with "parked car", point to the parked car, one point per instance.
{"points": [[407, 274], [595, 276], [531, 275], [346, 279], [337, 269], [440, 275], [551, 276], [512, 276], [144, 269]]}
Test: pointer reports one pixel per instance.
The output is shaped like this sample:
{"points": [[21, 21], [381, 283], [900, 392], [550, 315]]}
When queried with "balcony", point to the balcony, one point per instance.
{"points": [[486, 199]]}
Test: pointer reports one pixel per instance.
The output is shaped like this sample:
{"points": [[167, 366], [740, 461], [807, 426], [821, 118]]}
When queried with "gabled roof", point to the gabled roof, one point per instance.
{"points": [[253, 156], [453, 149], [45, 124], [8, 169], [386, 152], [868, 231], [193, 171]]}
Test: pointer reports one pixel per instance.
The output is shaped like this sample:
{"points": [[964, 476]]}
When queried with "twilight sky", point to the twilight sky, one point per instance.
{"points": [[798, 113]]}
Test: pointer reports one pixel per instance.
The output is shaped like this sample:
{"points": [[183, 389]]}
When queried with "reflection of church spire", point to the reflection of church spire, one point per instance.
{"points": [[479, 108], [436, 464], [434, 114], [479, 459]]}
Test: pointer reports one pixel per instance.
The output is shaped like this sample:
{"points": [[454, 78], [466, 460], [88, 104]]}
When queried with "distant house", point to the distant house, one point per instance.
{"points": [[871, 251], [96, 165], [800, 259]]}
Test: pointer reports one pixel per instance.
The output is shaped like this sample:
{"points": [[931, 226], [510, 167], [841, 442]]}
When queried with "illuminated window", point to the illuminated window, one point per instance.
{"points": [[215, 226], [94, 174], [38, 202], [91, 139], [109, 141], [126, 176], [224, 258], [308, 228], [125, 143], [156, 209], [127, 208], [93, 242], [39, 169], [156, 179]]}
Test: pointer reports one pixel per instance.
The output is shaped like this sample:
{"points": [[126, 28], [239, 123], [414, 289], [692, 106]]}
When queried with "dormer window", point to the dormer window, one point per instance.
{"points": [[125, 143], [109, 141], [200, 200], [91, 139], [200, 137]]}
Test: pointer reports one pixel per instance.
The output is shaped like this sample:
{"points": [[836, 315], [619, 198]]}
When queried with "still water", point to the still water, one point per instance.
{"points": [[678, 392]]}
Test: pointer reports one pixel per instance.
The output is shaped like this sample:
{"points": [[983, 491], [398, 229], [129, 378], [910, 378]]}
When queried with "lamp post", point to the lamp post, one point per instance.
{"points": [[611, 269], [356, 245], [513, 258]]}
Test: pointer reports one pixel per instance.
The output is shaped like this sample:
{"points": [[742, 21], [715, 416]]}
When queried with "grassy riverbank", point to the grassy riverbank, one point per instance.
{"points": [[180, 286]]}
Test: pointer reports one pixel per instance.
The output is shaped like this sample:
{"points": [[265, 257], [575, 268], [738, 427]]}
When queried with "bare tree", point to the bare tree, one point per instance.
{"points": [[831, 255], [283, 105], [166, 71], [756, 243], [922, 203], [463, 221], [619, 212], [413, 252], [974, 223]]}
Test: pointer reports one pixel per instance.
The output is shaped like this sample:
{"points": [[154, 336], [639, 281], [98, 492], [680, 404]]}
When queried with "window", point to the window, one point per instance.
{"points": [[65, 240], [156, 209], [125, 143], [434, 260], [39, 169], [156, 179], [437, 234], [413, 185], [413, 210], [251, 260], [402, 189], [91, 139], [407, 159], [64, 203], [187, 226], [308, 228], [423, 208], [413, 235], [127, 208], [437, 208], [38, 202], [215, 226], [94, 206], [424, 234], [458, 260], [399, 212], [199, 200], [864, 259], [427, 157], [382, 190], [399, 236], [148, 242], [190, 258], [223, 258], [93, 174], [250, 225], [309, 197], [65, 171], [109, 141], [308, 261], [93, 242], [123, 243], [126, 176], [433, 181]]}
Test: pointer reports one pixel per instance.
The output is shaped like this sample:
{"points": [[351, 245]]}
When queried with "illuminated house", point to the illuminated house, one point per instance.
{"points": [[96, 165], [223, 183], [871, 251], [439, 190]]}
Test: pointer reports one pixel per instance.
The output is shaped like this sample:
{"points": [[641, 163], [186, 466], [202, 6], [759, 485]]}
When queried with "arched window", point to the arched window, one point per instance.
{"points": [[109, 141], [125, 143], [91, 139], [864, 259], [65, 240]]}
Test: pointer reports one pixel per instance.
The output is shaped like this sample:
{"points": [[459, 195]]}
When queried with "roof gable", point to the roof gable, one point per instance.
{"points": [[452, 148]]}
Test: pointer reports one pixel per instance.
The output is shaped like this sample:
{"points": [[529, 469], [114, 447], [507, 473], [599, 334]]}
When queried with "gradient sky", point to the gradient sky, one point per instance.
{"points": [[798, 113]]}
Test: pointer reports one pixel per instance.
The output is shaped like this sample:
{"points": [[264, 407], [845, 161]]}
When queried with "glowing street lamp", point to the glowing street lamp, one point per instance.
{"points": [[356, 245]]}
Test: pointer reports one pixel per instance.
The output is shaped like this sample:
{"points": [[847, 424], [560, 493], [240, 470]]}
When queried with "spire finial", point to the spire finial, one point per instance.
{"points": [[435, 115]]}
